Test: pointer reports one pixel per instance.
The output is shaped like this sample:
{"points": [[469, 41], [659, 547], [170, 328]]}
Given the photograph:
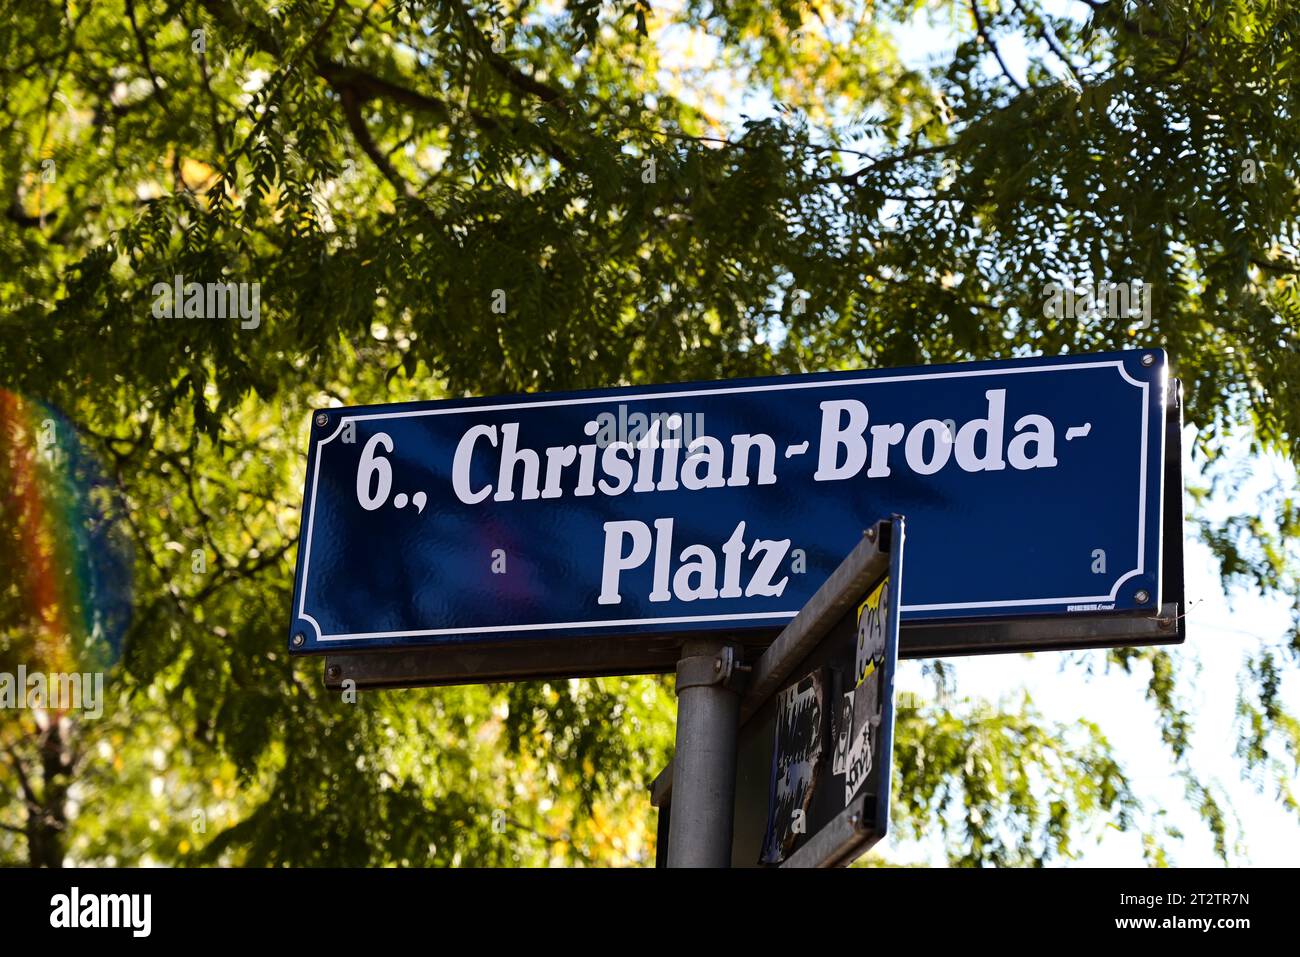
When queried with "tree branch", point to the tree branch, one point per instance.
{"points": [[23, 781], [366, 85], [503, 67], [1050, 39], [885, 162], [143, 46], [988, 40], [357, 124]]}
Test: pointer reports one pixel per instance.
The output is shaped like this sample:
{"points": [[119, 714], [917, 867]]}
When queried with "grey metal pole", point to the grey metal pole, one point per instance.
{"points": [[704, 763]]}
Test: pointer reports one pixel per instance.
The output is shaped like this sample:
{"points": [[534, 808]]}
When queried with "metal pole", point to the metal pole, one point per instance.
{"points": [[704, 764]]}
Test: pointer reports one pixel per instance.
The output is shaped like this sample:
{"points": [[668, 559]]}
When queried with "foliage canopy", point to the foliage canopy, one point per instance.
{"points": [[657, 192]]}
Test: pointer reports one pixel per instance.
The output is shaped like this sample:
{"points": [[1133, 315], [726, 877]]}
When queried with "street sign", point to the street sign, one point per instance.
{"points": [[814, 758], [589, 533]]}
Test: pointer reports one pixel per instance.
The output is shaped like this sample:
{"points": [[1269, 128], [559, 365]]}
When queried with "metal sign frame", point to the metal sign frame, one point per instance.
{"points": [[819, 636], [801, 647]]}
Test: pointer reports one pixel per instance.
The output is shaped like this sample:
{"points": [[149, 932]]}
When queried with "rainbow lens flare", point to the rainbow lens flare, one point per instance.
{"points": [[65, 561]]}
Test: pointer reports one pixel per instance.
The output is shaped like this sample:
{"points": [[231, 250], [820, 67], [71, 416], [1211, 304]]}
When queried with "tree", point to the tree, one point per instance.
{"points": [[445, 198]]}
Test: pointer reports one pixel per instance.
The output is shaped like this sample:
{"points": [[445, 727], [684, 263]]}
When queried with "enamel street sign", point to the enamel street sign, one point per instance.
{"points": [[619, 518]]}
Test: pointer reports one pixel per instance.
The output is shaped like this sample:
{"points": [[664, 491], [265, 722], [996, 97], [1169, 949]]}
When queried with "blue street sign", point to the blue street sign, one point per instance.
{"points": [[1031, 487]]}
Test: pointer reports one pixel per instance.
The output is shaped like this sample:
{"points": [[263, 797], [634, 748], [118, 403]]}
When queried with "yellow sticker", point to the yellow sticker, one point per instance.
{"points": [[871, 633]]}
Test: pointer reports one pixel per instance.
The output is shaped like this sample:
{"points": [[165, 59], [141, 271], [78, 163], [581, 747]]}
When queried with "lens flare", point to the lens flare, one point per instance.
{"points": [[65, 561]]}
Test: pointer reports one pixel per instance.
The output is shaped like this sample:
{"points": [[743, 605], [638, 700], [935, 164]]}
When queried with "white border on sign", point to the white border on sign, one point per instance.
{"points": [[669, 396]]}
